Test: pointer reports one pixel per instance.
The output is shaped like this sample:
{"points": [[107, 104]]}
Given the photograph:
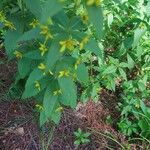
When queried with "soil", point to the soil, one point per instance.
{"points": [[19, 128]]}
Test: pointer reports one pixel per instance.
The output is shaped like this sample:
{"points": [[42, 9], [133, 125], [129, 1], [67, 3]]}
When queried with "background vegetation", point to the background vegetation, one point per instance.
{"points": [[72, 50]]}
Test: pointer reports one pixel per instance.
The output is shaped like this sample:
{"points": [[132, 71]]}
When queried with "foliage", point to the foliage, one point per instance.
{"points": [[69, 50], [81, 137]]}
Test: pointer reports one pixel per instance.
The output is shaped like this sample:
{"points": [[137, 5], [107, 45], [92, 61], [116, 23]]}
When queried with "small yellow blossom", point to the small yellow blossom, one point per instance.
{"points": [[57, 92], [42, 66], [83, 42], [94, 2], [39, 107], [98, 2], [2, 16], [37, 85], [18, 54], [34, 23], [59, 109], [49, 36], [64, 73], [142, 26], [90, 2], [98, 89], [67, 44], [43, 49], [77, 63], [85, 17], [9, 24], [45, 31], [137, 106], [74, 76]]}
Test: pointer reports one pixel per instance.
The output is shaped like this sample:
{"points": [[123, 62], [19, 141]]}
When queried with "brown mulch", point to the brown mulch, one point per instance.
{"points": [[18, 131]]}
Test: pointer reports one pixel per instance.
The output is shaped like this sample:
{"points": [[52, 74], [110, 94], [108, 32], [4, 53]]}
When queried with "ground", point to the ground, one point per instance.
{"points": [[19, 129]]}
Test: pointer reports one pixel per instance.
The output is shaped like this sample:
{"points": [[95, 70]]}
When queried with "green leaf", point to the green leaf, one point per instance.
{"points": [[93, 46], [43, 118], [138, 33], [50, 100], [56, 116], [29, 35], [34, 6], [79, 131], [53, 55], [77, 142], [148, 9], [82, 73], [85, 140], [123, 65], [110, 69], [33, 55], [62, 18], [139, 52], [131, 62], [141, 86], [30, 90], [112, 85], [50, 8], [24, 66], [110, 18], [69, 91], [96, 18], [122, 73], [128, 41], [87, 134], [77, 134], [143, 107], [143, 124], [10, 43]]}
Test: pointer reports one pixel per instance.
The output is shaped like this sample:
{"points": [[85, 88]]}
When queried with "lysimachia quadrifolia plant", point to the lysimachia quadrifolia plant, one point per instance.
{"points": [[47, 38]]}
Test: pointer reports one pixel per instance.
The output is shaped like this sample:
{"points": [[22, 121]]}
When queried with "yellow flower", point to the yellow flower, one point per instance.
{"points": [[83, 42], [45, 31], [34, 23], [43, 49], [59, 109], [37, 85], [77, 63], [74, 76], [137, 106], [142, 26], [9, 24], [39, 107], [67, 44], [98, 2], [94, 2], [85, 17], [2, 16], [90, 2], [42, 66], [57, 92], [18, 54], [64, 73], [49, 36]]}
